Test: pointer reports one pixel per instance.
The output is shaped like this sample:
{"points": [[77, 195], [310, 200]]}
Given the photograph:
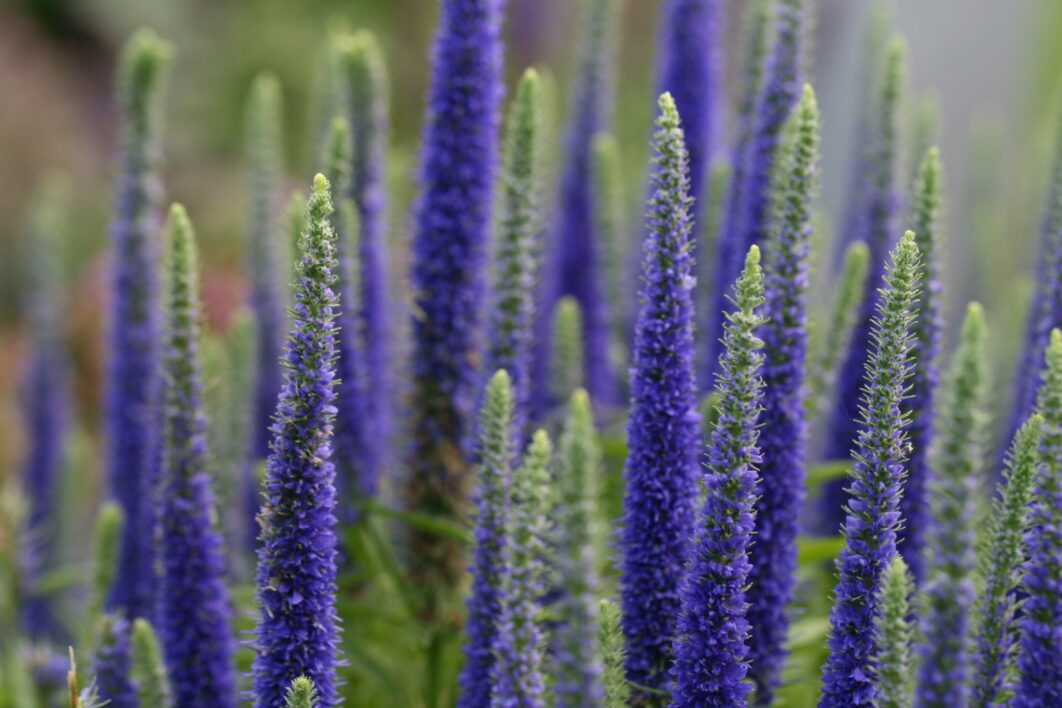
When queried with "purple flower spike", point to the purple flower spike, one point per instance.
{"points": [[131, 410], [873, 516], [449, 253], [297, 554], [664, 427]]}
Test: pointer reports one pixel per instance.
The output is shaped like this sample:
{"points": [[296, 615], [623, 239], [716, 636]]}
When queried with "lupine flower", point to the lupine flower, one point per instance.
{"points": [[893, 633], [1044, 312], [778, 96], [612, 230], [518, 681], [691, 71], [193, 601], [296, 558], [613, 656], [111, 663], [147, 668], [352, 426], [1040, 648], [364, 76], [873, 516], [566, 363], [781, 489], [711, 653], [577, 660], [45, 401], [131, 405], [757, 25], [453, 221], [301, 694], [847, 304], [495, 456], [663, 428], [997, 631], [265, 254], [961, 430], [516, 250], [925, 219], [577, 252], [877, 232]]}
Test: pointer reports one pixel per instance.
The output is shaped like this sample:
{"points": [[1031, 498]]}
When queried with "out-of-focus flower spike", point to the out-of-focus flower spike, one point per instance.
{"points": [[488, 557], [45, 399], [365, 90], [957, 465], [778, 96], [516, 250], [894, 634], [147, 669], [193, 613], [132, 416], [836, 336], [295, 222], [577, 659], [105, 542], [711, 652], [577, 256], [873, 516], [112, 663], [877, 231], [615, 239], [453, 219], [566, 363], [613, 655], [664, 428], [297, 632], [518, 678], [785, 429], [1040, 646], [997, 631]]}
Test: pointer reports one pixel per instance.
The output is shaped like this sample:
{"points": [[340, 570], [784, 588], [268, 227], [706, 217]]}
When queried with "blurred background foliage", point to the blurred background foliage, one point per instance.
{"points": [[994, 67]]}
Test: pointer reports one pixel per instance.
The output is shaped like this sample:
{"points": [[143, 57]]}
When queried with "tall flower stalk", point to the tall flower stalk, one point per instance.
{"points": [[518, 680], [757, 23], [566, 363], [613, 656], [577, 253], [194, 612], [577, 659], [877, 231], [364, 75], [112, 663], [1040, 649], [997, 631], [488, 557], [711, 649], [781, 488], [873, 517], [958, 463], [449, 250], [296, 632], [925, 221], [663, 428], [131, 405], [45, 401], [779, 95], [691, 71], [516, 250]]}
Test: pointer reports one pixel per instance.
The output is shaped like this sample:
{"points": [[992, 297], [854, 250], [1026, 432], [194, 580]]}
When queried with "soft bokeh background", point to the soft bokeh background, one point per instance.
{"points": [[994, 66]]}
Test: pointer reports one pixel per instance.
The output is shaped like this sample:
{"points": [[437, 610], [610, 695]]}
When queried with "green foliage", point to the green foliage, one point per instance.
{"points": [[105, 561], [148, 670], [895, 632]]}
